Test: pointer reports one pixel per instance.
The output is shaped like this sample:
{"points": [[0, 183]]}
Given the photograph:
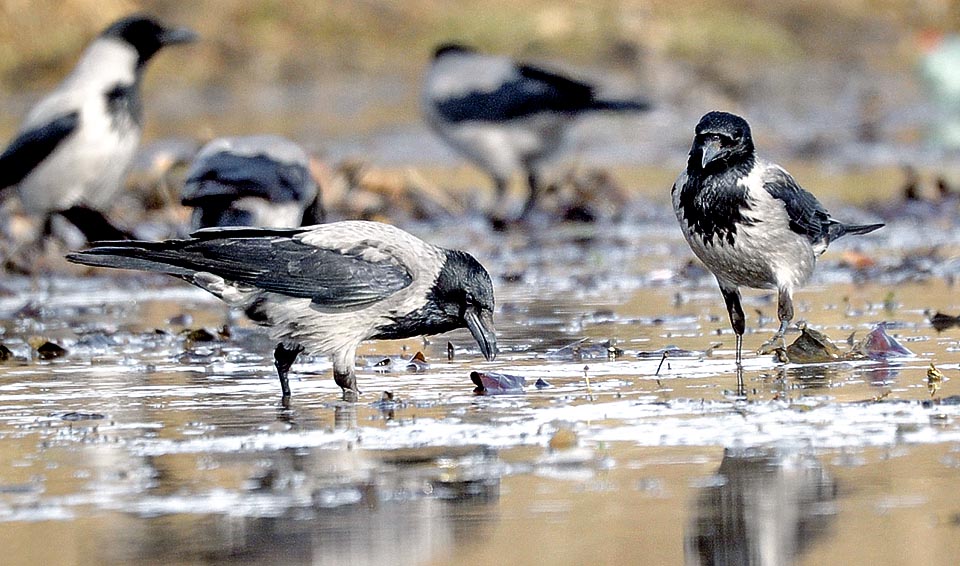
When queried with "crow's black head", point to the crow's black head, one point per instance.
{"points": [[147, 35], [449, 48], [464, 293], [722, 140]]}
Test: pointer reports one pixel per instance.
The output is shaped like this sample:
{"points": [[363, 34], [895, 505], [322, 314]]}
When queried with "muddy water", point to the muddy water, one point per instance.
{"points": [[144, 445]]}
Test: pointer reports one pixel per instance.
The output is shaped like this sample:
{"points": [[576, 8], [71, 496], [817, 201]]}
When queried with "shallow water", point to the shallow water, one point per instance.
{"points": [[141, 445]]}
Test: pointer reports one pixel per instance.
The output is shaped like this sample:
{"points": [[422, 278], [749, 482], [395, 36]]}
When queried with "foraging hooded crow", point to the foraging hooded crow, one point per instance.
{"points": [[252, 181], [74, 147], [505, 116], [325, 288], [748, 220]]}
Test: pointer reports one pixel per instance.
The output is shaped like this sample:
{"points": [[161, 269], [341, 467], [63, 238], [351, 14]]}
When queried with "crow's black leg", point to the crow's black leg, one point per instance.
{"points": [[731, 296], [283, 358], [94, 225], [533, 184]]}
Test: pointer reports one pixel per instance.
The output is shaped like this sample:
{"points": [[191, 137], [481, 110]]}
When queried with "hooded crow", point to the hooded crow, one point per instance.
{"points": [[252, 181], [325, 288], [748, 220], [505, 116], [74, 147]]}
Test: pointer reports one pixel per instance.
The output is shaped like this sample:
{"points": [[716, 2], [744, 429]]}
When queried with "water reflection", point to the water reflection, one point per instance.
{"points": [[320, 507], [764, 507]]}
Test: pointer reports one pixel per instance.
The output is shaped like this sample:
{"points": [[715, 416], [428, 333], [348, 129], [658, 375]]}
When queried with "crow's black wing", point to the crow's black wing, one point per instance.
{"points": [[528, 91], [226, 174], [332, 279], [807, 216], [31, 147]]}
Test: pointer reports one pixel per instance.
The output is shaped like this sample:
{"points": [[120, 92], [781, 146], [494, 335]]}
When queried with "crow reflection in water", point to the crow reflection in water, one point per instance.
{"points": [[769, 508]]}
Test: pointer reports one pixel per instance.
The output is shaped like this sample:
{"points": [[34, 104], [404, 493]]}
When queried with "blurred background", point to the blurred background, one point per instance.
{"points": [[845, 83]]}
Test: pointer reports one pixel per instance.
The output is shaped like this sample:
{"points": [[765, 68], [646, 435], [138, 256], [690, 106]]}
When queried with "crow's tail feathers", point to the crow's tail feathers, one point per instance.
{"points": [[838, 229], [141, 256], [637, 105]]}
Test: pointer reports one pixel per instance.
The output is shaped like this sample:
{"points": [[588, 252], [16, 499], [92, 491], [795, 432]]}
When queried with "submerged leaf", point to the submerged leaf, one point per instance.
{"points": [[491, 383], [878, 344]]}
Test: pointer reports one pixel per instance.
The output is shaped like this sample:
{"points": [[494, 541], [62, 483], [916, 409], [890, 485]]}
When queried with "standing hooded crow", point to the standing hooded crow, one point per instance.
{"points": [[748, 220], [73, 149], [505, 116], [326, 288]]}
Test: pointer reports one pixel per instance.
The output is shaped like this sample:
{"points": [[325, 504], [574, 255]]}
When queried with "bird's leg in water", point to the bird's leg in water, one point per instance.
{"points": [[785, 314], [343, 373], [347, 380], [731, 296], [283, 358]]}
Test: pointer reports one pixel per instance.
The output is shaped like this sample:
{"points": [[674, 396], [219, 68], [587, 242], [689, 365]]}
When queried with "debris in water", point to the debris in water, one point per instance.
{"points": [[671, 352], [812, 347], [541, 383], [491, 383], [878, 344], [450, 351], [581, 350], [198, 335], [418, 363], [563, 439], [48, 350], [182, 319], [5, 353], [934, 379], [941, 321], [80, 416]]}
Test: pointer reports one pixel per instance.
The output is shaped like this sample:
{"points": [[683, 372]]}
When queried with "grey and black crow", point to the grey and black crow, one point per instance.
{"points": [[252, 181], [505, 116], [748, 220], [75, 145], [325, 288]]}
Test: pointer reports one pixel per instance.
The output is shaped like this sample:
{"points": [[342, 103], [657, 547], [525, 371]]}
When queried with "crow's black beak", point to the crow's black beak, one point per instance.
{"points": [[709, 151], [174, 36], [480, 324]]}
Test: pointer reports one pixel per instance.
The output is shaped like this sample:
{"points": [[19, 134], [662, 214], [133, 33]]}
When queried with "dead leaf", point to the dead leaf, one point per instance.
{"points": [[811, 347], [878, 345], [491, 383], [934, 379]]}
